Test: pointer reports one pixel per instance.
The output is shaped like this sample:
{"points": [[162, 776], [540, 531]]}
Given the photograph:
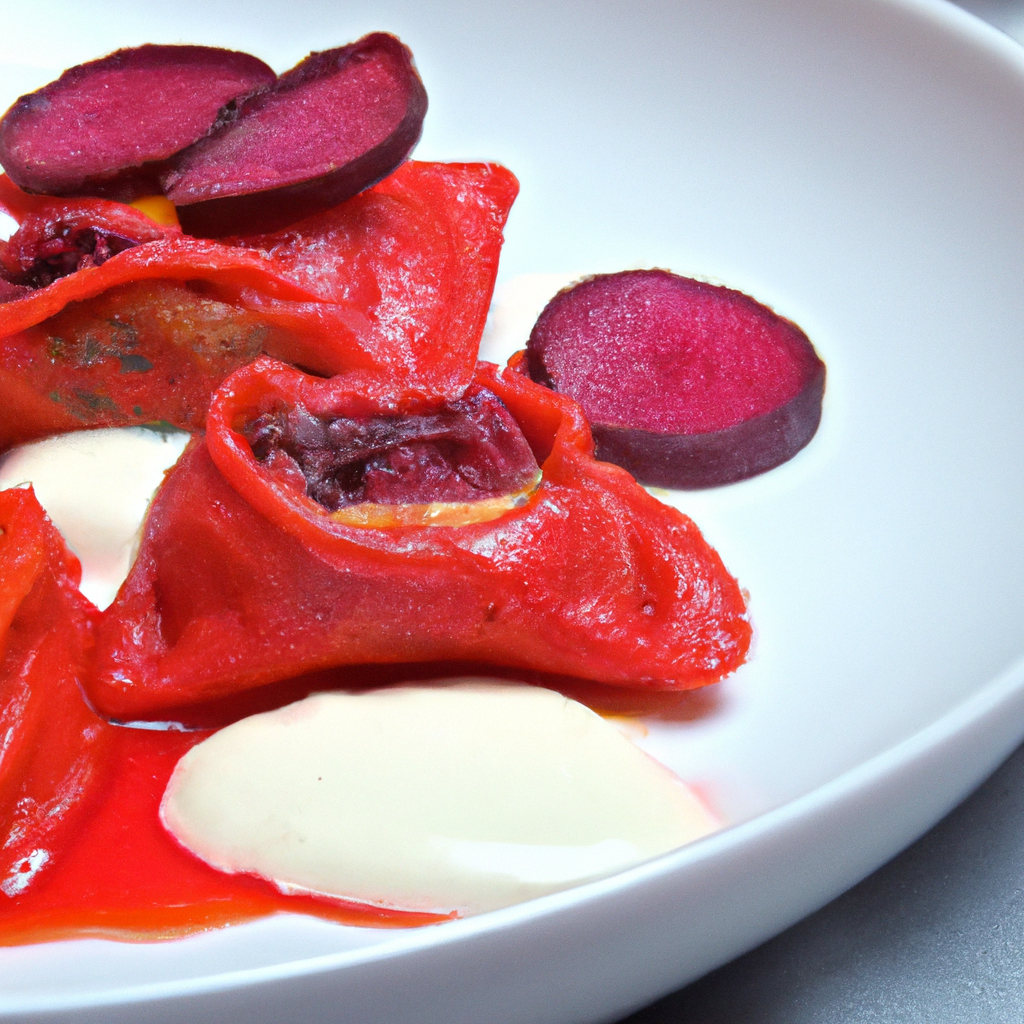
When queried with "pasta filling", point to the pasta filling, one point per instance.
{"points": [[467, 460]]}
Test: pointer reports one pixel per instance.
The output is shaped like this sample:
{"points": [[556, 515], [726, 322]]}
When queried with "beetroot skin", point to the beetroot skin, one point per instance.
{"points": [[105, 128], [332, 126], [686, 384]]}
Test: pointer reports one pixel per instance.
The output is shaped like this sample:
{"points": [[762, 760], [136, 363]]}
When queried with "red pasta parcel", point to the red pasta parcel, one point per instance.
{"points": [[350, 522], [416, 256], [112, 319], [54, 745]]}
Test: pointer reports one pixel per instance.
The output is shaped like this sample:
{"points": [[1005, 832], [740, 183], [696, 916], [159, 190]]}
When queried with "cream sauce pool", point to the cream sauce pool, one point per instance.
{"points": [[462, 797]]}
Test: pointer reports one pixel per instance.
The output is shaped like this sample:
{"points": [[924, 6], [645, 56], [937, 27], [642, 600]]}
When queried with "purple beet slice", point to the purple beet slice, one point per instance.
{"points": [[106, 128], [332, 126], [686, 384]]}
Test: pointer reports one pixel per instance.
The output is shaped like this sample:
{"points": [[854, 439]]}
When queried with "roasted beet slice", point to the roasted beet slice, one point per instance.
{"points": [[332, 126], [105, 128], [686, 384]]}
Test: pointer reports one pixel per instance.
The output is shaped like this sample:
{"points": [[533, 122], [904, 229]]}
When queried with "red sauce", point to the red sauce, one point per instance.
{"points": [[120, 875]]}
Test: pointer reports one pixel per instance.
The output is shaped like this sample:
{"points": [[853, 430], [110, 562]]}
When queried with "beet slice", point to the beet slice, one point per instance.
{"points": [[686, 384], [335, 124], [106, 127]]}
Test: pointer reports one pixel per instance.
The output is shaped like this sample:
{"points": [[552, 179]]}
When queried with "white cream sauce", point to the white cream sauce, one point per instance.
{"points": [[96, 486], [465, 797]]}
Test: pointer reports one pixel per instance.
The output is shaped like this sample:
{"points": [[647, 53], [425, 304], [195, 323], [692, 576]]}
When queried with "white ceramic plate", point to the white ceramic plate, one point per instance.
{"points": [[859, 165]]}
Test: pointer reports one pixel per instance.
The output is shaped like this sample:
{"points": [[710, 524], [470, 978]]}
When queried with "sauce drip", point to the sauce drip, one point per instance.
{"points": [[119, 875]]}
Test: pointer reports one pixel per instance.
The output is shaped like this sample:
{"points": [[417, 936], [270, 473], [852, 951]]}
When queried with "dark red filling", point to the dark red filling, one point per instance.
{"points": [[69, 250], [60, 240], [466, 450]]}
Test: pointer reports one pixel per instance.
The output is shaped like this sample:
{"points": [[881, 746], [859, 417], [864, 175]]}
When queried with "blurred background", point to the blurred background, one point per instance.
{"points": [[1007, 15]]}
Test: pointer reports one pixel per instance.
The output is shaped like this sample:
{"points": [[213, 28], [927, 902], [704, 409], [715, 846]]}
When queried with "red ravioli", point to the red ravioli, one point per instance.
{"points": [[395, 283], [686, 384], [53, 744], [243, 579], [418, 255]]}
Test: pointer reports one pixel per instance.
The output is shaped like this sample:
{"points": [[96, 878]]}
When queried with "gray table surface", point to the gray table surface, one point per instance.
{"points": [[935, 936]]}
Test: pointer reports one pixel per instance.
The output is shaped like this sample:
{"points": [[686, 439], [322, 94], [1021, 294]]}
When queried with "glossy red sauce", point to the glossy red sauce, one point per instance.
{"points": [[120, 875]]}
